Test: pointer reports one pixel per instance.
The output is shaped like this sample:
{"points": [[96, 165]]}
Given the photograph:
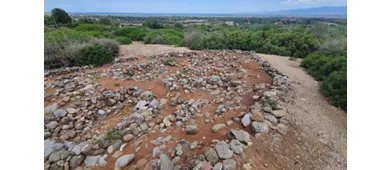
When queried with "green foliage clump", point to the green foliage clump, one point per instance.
{"points": [[152, 23], [165, 36], [191, 37], [96, 54], [134, 33], [123, 40], [91, 27], [335, 88], [60, 16], [113, 134], [271, 102], [169, 60], [105, 21], [333, 72], [108, 43]]}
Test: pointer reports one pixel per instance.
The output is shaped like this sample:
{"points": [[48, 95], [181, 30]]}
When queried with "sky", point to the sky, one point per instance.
{"points": [[186, 6]]}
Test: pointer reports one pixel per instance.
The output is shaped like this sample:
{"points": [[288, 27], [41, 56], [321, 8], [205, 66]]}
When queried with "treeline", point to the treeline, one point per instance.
{"points": [[323, 47]]}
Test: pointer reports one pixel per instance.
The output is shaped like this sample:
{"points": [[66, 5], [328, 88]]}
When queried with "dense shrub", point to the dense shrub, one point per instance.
{"points": [[95, 54], [191, 37], [152, 23], [108, 43], [165, 36], [333, 72], [134, 33], [335, 88], [123, 40], [91, 27]]}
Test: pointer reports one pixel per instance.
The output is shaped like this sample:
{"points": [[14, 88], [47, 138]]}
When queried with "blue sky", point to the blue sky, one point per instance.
{"points": [[186, 6]]}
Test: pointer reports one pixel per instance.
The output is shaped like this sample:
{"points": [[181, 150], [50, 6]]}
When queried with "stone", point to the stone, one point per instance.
{"points": [[271, 118], [192, 129], [71, 110], [211, 155], [229, 164], [52, 125], [165, 162], [46, 135], [59, 155], [229, 122], [166, 122], [257, 115], [255, 97], [279, 113], [128, 137], [51, 109], [156, 151], [91, 160], [240, 135], [206, 165], [76, 160], [163, 102], [246, 121], [218, 166], [154, 104], [101, 112], [217, 127], [141, 163], [124, 160], [146, 95], [247, 166], [117, 154], [102, 160], [282, 128], [260, 127], [110, 102], [144, 126], [194, 145], [147, 113], [236, 146], [60, 113], [223, 150]]}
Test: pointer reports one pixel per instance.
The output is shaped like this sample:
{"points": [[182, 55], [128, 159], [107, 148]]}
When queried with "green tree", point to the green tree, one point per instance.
{"points": [[60, 16], [105, 21], [152, 23]]}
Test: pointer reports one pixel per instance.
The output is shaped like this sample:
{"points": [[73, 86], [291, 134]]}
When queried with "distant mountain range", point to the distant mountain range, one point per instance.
{"points": [[329, 11], [321, 11]]}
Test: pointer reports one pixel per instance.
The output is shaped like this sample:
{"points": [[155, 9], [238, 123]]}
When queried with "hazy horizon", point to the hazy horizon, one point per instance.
{"points": [[186, 7]]}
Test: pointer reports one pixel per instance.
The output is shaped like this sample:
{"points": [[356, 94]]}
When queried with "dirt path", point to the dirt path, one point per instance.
{"points": [[322, 127], [139, 49]]}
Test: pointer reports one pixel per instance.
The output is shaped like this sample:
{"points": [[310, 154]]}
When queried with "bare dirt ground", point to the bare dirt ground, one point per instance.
{"points": [[318, 137]]}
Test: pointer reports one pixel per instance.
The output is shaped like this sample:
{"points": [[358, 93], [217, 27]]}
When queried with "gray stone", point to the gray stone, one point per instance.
{"points": [[156, 151], [124, 160], [260, 127], [218, 166], [60, 113], [76, 160], [71, 110], [51, 109], [91, 160], [154, 103], [102, 160], [279, 113], [52, 125], [282, 128], [211, 155], [50, 146], [146, 95], [192, 129], [217, 127], [240, 135], [194, 145], [246, 120], [128, 137], [236, 146], [165, 162], [229, 164], [271, 118], [59, 155], [223, 150], [101, 112]]}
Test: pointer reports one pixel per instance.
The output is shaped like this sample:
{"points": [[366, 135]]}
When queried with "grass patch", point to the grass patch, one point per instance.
{"points": [[113, 135], [169, 60], [272, 103]]}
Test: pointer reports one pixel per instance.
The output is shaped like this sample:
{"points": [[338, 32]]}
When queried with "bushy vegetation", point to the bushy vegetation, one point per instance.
{"points": [[152, 23], [134, 33], [95, 54], [165, 36], [123, 40], [62, 48]]}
